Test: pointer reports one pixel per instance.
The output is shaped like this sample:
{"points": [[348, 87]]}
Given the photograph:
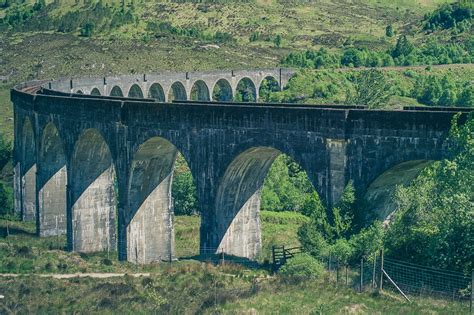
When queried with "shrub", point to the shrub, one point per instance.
{"points": [[302, 266]]}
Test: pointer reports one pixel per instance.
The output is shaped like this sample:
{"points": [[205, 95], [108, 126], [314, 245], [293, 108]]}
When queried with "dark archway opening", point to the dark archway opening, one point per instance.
{"points": [[246, 91], [116, 91], [156, 92], [95, 91], [177, 92], [268, 86], [222, 91], [135, 91], [200, 92]]}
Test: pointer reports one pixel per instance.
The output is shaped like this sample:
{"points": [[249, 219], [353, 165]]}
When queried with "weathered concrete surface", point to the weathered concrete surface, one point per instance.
{"points": [[119, 156]]}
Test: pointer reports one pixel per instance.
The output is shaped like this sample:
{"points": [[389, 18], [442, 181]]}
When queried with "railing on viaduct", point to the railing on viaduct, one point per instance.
{"points": [[99, 167]]}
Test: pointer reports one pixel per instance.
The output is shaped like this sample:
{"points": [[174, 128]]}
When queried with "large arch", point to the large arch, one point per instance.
{"points": [[222, 91], [135, 91], [268, 85], [149, 220], [200, 91], [52, 181], [378, 198], [177, 92], [237, 205], [95, 91], [28, 180], [156, 92], [246, 91], [92, 195], [116, 91]]}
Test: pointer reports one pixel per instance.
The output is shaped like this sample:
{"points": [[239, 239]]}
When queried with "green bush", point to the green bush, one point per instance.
{"points": [[302, 266]]}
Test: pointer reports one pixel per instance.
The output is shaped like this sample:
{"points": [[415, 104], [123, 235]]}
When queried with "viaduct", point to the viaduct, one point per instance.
{"points": [[94, 157]]}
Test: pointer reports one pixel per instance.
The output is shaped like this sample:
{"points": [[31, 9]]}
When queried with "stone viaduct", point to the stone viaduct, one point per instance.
{"points": [[98, 166]]}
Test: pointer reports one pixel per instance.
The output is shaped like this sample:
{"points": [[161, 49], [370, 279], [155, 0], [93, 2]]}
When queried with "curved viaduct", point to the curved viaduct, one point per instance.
{"points": [[99, 167]]}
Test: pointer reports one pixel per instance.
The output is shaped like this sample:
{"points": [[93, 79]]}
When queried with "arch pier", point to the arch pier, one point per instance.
{"points": [[100, 167]]}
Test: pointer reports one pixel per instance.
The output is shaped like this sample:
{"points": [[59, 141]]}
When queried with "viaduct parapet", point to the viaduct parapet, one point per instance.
{"points": [[99, 167]]}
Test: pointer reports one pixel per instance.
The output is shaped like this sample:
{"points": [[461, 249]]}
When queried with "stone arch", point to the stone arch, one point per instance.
{"points": [[156, 91], [177, 92], [149, 218], [222, 91], [79, 92], [52, 180], [135, 91], [116, 91], [200, 91], [237, 202], [267, 85], [378, 195], [93, 199], [28, 179], [246, 91], [95, 91]]}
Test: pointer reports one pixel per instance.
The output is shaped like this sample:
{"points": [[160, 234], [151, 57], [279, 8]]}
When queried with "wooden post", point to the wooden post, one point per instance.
{"points": [[223, 260], [381, 270], [373, 271], [361, 274], [347, 280], [337, 272], [472, 292]]}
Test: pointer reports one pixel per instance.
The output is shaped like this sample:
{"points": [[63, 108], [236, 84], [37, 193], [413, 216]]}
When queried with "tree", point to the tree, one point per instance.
{"points": [[5, 151], [87, 29], [403, 47], [277, 41], [6, 199], [389, 30], [371, 89]]}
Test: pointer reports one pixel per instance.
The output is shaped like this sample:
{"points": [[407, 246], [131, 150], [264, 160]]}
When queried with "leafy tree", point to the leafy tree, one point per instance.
{"points": [[277, 41], [368, 241], [183, 189], [87, 29], [6, 199], [371, 89], [389, 30], [5, 151], [466, 97], [301, 267], [403, 47]]}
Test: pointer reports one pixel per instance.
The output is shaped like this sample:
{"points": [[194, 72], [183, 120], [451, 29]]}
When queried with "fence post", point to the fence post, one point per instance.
{"points": [[347, 280], [381, 270], [337, 272], [223, 258], [361, 274], [373, 271]]}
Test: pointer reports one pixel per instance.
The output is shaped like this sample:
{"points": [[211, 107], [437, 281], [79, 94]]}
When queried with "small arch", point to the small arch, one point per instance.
{"points": [[52, 177], [222, 91], [135, 91], [116, 91], [79, 92], [156, 92], [200, 91], [28, 180], [95, 91], [93, 197], [177, 92], [246, 91], [268, 85]]}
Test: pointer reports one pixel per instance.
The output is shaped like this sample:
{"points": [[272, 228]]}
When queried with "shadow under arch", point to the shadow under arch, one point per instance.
{"points": [[93, 200], [222, 91], [116, 91], [246, 91], [177, 92], [200, 91], [52, 181], [156, 92], [268, 85], [238, 200], [149, 218], [135, 91], [378, 197], [79, 92], [95, 91], [28, 179]]}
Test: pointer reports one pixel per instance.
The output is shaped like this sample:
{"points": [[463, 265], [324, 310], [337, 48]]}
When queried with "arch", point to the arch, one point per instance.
{"points": [[95, 91], [222, 91], [156, 91], [79, 92], [246, 91], [135, 91], [149, 220], [268, 85], [93, 198], [237, 203], [52, 180], [378, 196], [177, 92], [28, 179], [200, 91], [116, 91]]}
